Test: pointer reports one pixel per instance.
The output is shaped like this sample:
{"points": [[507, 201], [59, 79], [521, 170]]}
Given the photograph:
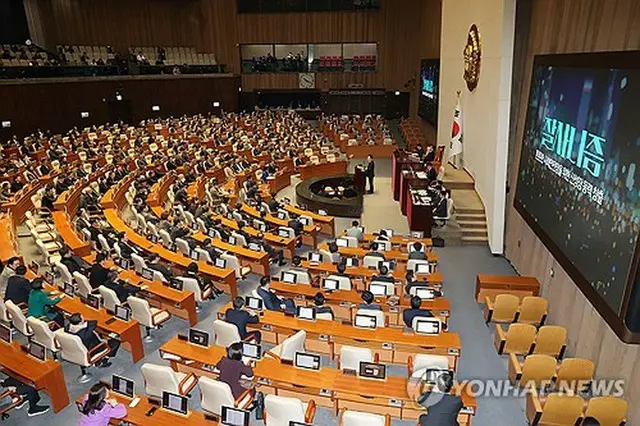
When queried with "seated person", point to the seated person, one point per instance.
{"points": [[72, 262], [99, 273], [126, 248], [409, 314], [341, 268], [318, 301], [154, 264], [383, 276], [40, 303], [8, 271], [417, 252], [86, 330], [296, 265], [271, 301], [275, 255], [368, 299], [213, 253], [355, 231], [373, 250], [445, 411], [240, 318], [204, 284], [29, 394], [18, 287], [97, 409], [335, 256], [296, 225], [232, 369]]}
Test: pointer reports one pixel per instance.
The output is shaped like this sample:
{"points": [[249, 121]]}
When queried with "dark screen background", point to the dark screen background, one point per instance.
{"points": [[428, 103], [599, 240]]}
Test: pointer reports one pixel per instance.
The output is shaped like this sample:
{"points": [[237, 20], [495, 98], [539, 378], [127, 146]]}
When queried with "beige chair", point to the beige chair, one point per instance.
{"points": [[344, 283], [73, 350], [418, 364], [191, 284], [371, 261], [84, 287], [234, 263], [215, 394], [138, 263], [536, 370], [381, 319], [351, 357], [518, 339], [288, 348], [225, 333], [43, 335], [608, 410], [280, 411], [149, 317], [359, 418], [64, 272], [390, 288], [109, 298], [533, 310], [574, 375], [203, 255], [4, 313], [160, 378], [302, 277], [502, 310], [351, 241], [18, 318], [412, 265], [551, 340], [183, 247]]}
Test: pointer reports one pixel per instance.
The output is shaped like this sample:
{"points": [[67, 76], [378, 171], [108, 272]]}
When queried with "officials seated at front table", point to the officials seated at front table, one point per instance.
{"points": [[271, 300], [98, 409], [86, 330], [409, 314], [240, 318]]}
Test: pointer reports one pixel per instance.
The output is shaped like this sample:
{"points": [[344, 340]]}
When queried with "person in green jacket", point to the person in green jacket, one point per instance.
{"points": [[40, 303]]}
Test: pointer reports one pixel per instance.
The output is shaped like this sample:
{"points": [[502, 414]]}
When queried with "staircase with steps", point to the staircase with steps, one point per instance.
{"points": [[470, 215], [473, 226]]}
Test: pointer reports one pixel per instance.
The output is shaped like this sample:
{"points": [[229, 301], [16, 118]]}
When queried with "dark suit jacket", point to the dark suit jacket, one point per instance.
{"points": [[88, 335], [162, 269], [18, 289], [444, 413], [240, 319], [98, 276], [126, 249], [371, 169], [409, 314], [271, 301], [419, 255], [384, 279]]}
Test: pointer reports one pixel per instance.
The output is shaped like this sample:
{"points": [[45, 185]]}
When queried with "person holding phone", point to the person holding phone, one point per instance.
{"points": [[98, 409]]}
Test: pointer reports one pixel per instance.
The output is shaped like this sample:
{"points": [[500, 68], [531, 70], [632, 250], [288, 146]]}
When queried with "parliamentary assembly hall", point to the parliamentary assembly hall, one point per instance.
{"points": [[319, 212]]}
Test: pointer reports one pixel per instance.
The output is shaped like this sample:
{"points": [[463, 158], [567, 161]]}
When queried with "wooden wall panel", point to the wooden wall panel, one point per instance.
{"points": [[571, 26]]}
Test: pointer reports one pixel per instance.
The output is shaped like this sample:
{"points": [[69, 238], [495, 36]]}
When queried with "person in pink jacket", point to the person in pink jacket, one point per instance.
{"points": [[97, 409]]}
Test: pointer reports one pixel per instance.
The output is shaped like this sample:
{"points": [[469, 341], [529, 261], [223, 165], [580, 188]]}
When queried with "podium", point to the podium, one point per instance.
{"points": [[401, 160], [359, 179]]}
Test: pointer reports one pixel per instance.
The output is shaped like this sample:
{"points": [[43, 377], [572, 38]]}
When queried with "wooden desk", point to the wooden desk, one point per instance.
{"points": [[344, 302], [400, 159], [400, 257], [492, 285], [47, 376], [128, 331], [138, 415], [399, 240], [309, 171], [226, 277], [280, 181], [309, 235], [376, 151], [328, 387], [258, 261], [394, 345], [66, 230], [9, 247], [21, 203], [326, 223]]}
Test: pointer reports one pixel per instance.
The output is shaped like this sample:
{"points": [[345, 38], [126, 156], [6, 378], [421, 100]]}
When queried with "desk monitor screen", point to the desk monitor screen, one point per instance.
{"points": [[176, 284], [255, 247], [423, 268], [283, 233], [5, 333], [371, 370], [197, 337], [425, 293], [153, 238], [69, 289], [342, 242], [221, 263], [315, 257], [34, 266], [48, 278], [304, 221], [330, 284], [306, 313], [281, 215], [211, 233], [231, 240], [387, 232], [308, 361], [251, 350], [364, 321], [123, 313], [147, 274], [123, 386], [431, 375], [289, 277], [93, 301], [378, 289], [322, 212], [263, 227], [254, 303], [351, 262], [428, 326], [38, 351], [234, 417], [194, 255], [387, 264], [123, 263], [174, 402]]}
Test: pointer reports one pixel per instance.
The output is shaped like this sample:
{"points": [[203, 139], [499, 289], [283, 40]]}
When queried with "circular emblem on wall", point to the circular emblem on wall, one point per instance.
{"points": [[472, 58]]}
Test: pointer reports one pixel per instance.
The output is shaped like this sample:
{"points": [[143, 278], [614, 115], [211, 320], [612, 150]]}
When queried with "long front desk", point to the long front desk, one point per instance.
{"points": [[309, 171]]}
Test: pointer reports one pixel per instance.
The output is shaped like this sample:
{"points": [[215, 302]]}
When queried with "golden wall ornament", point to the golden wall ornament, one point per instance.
{"points": [[472, 58]]}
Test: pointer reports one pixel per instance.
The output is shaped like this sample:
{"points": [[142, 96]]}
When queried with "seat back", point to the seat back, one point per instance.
{"points": [[203, 255], [183, 246], [561, 409], [505, 308], [191, 284], [293, 344], [291, 233], [166, 237], [383, 245], [608, 410], [390, 287], [424, 362], [533, 309], [71, 348], [233, 263], [214, 395], [158, 379], [84, 288], [326, 255], [575, 374], [344, 283], [551, 340], [351, 241], [519, 339], [280, 411], [109, 298], [371, 261], [302, 277], [18, 319], [64, 272], [380, 317], [138, 263], [350, 357], [4, 314], [104, 245], [538, 369], [412, 264], [42, 334], [140, 310], [226, 333], [358, 418]]}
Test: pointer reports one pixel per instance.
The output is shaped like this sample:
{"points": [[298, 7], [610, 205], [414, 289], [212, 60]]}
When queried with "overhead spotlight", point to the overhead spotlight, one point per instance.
{"points": [[84, 114], [239, 89], [216, 104], [28, 42], [397, 93], [6, 124], [118, 96], [155, 108]]}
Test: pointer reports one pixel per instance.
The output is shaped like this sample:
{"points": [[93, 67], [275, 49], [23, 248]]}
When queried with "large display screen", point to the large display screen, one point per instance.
{"points": [[578, 178], [429, 79]]}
